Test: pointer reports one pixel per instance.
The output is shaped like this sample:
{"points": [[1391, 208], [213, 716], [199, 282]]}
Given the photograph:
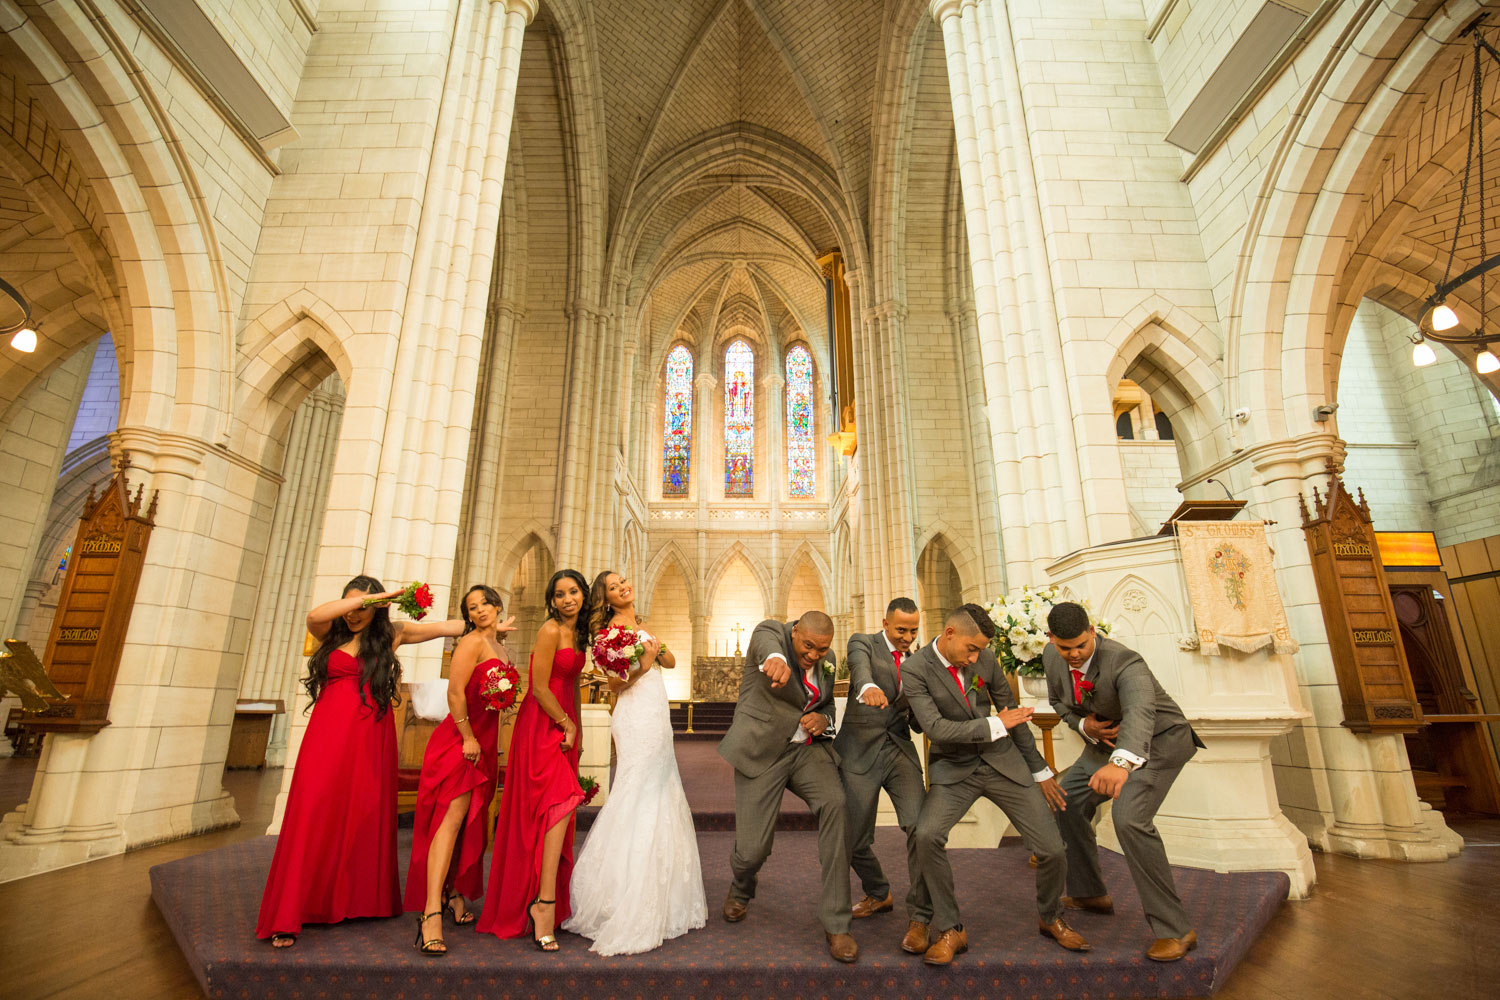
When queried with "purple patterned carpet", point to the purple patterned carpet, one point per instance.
{"points": [[210, 901]]}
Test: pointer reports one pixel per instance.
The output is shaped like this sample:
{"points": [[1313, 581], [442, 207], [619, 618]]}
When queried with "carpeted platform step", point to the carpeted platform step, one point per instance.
{"points": [[210, 902]]}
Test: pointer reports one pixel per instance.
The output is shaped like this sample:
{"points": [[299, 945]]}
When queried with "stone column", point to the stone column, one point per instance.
{"points": [[420, 428], [424, 449], [154, 773], [274, 659], [1348, 792], [1041, 508]]}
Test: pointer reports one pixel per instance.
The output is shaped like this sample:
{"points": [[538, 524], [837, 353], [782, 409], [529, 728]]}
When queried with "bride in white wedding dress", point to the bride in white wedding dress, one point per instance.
{"points": [[637, 881]]}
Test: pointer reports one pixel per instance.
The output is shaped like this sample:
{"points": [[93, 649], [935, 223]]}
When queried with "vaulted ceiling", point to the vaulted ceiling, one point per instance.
{"points": [[791, 75]]}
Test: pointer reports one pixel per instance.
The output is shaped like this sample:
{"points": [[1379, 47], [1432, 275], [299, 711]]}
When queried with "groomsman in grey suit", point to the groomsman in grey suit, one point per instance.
{"points": [[875, 748], [781, 738], [1137, 741], [953, 685]]}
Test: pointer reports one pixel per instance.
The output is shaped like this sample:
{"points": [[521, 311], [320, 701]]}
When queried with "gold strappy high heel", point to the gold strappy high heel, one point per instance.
{"points": [[547, 942]]}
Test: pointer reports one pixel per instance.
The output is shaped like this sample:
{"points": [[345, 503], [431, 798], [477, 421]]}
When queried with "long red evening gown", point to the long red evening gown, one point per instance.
{"points": [[336, 855], [445, 776], [541, 787]]}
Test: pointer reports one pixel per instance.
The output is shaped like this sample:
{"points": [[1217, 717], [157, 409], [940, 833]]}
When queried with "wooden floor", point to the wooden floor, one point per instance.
{"points": [[1373, 929]]}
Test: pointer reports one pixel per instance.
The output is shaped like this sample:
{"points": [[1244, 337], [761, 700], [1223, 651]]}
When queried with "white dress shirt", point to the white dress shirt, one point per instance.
{"points": [[997, 728]]}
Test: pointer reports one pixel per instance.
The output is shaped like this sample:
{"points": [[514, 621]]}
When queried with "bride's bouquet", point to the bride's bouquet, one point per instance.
{"points": [[413, 601], [617, 649], [501, 682]]}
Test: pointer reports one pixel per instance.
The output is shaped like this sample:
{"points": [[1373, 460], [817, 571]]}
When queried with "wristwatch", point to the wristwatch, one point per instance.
{"points": [[1120, 760]]}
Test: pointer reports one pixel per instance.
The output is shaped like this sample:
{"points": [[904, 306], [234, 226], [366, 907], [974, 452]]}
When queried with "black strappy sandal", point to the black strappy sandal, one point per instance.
{"points": [[463, 919], [276, 940], [433, 946], [542, 943]]}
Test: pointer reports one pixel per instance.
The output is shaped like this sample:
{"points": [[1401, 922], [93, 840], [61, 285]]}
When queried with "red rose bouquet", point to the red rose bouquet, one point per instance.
{"points": [[501, 682], [617, 648], [590, 786], [413, 601]]}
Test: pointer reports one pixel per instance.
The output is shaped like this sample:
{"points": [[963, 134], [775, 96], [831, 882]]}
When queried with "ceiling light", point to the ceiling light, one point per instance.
{"points": [[24, 340], [1443, 317], [1486, 363], [1422, 354]]}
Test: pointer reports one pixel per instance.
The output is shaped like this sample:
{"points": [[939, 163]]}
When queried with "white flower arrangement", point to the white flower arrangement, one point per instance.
{"points": [[1020, 619]]}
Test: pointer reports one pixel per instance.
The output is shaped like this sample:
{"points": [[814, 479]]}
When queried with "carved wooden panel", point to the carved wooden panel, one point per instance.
{"points": [[88, 631], [1368, 660], [717, 678]]}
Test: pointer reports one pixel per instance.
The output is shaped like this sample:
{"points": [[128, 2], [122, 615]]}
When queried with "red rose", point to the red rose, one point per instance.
{"points": [[1086, 688], [979, 682]]}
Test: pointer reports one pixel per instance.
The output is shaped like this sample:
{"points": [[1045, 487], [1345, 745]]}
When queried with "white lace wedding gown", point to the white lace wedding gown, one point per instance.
{"points": [[637, 881]]}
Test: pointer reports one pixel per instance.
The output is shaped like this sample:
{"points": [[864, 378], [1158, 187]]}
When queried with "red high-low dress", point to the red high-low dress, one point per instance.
{"points": [[541, 787], [445, 776], [336, 855]]}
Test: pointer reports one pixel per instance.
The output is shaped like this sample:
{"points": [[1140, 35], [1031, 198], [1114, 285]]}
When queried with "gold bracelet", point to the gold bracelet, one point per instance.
{"points": [[464, 719]]}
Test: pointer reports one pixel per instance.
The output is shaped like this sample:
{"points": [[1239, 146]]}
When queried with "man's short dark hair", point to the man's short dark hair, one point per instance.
{"points": [[1067, 620], [905, 605], [815, 623], [967, 619]]}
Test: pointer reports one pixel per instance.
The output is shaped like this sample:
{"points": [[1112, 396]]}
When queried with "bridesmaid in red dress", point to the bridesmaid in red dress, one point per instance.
{"points": [[336, 855], [458, 777], [533, 859]]}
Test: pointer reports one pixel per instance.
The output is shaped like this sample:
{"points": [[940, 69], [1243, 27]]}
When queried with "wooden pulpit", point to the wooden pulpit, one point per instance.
{"points": [[98, 594], [1374, 679]]}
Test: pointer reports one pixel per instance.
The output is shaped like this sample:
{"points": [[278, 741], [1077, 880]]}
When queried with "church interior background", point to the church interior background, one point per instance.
{"points": [[770, 305]]}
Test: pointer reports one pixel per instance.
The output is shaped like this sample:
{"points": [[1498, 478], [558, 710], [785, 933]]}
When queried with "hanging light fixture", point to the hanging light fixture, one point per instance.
{"points": [[22, 333], [1437, 316]]}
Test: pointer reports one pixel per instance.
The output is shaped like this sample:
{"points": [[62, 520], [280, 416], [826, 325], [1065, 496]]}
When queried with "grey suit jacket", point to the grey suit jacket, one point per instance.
{"points": [[766, 718], [957, 733], [1125, 691], [865, 729]]}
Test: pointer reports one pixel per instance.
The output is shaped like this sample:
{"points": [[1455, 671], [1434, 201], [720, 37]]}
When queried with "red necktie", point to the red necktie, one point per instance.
{"points": [[1078, 687], [897, 654], [959, 681]]}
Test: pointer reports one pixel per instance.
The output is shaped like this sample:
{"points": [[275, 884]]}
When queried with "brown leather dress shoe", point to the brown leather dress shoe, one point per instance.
{"points": [[1093, 904], [869, 906], [953, 941], [842, 947], [1064, 935], [915, 942], [735, 909], [1171, 949]]}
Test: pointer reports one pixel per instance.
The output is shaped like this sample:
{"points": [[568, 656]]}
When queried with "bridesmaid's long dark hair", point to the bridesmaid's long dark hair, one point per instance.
{"points": [[379, 670], [581, 626]]}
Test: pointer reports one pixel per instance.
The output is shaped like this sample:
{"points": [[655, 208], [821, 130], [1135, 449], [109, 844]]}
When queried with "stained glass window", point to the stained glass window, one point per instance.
{"points": [[739, 420], [800, 467], [677, 430]]}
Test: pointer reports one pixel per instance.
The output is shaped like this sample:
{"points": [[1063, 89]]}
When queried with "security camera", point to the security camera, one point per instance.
{"points": [[1242, 414]]}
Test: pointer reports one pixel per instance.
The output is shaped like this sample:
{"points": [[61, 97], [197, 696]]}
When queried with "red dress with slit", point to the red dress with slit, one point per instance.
{"points": [[541, 787], [446, 775], [336, 853]]}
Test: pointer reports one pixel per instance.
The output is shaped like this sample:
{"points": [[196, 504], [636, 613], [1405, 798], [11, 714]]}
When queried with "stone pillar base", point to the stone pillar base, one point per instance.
{"points": [[23, 852], [594, 762], [1429, 841]]}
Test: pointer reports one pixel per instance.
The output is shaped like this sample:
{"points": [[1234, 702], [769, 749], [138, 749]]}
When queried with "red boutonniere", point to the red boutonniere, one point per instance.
{"points": [[1086, 691], [977, 684]]}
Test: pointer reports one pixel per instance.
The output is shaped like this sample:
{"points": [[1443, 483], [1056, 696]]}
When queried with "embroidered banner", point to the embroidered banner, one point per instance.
{"points": [[1231, 583]]}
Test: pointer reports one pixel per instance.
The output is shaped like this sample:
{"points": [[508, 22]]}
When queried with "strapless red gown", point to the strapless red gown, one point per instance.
{"points": [[541, 787], [445, 776], [336, 855]]}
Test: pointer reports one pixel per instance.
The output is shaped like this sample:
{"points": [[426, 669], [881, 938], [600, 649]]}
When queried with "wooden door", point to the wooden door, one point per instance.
{"points": [[1450, 756]]}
